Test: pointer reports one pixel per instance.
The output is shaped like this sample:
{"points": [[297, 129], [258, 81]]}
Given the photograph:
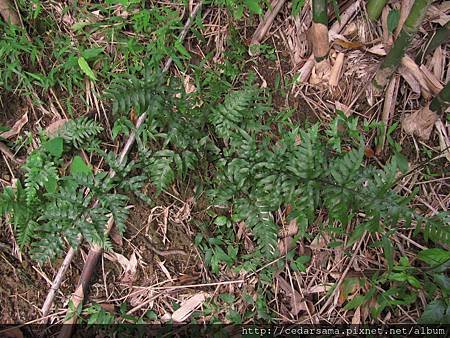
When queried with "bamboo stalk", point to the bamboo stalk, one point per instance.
{"points": [[96, 251], [374, 8], [319, 30], [305, 71], [393, 58]]}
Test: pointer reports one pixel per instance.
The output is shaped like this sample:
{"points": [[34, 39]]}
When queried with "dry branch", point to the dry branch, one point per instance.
{"points": [[96, 251], [388, 109], [265, 25]]}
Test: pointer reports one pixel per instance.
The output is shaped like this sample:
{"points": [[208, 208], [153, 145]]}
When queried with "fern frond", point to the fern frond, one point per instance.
{"points": [[80, 131], [339, 196], [228, 117], [436, 228], [39, 173], [257, 215], [142, 94], [116, 204], [25, 233], [160, 169], [307, 161]]}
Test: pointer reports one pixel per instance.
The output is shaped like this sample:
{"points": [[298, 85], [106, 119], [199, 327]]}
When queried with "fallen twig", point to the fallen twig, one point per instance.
{"points": [[388, 108], [5, 150], [265, 25], [96, 251]]}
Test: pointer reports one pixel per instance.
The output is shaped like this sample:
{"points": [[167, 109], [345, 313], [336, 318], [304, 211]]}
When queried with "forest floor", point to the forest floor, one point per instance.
{"points": [[160, 261]]}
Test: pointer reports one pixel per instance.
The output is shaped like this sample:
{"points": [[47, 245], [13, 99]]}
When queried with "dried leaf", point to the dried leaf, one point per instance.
{"points": [[290, 230], [438, 63], [188, 307], [319, 242], [444, 140], [418, 75], [16, 128], [433, 83], [357, 316], [297, 302], [343, 108], [129, 267], [377, 50], [435, 14], [410, 79], [346, 44], [53, 128], [8, 12], [108, 307], [188, 86], [420, 123], [115, 236], [285, 244]]}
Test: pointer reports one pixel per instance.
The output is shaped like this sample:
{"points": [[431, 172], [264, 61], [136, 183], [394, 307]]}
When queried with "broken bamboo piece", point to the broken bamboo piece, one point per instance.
{"points": [[306, 69], [96, 251]]}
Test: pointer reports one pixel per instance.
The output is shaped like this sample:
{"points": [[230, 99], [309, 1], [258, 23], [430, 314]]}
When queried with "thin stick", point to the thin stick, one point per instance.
{"points": [[57, 282], [388, 109], [96, 251], [266, 23]]}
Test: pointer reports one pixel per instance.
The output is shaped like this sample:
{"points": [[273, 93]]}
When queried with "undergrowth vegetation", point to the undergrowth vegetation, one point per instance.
{"points": [[256, 172], [218, 137]]}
